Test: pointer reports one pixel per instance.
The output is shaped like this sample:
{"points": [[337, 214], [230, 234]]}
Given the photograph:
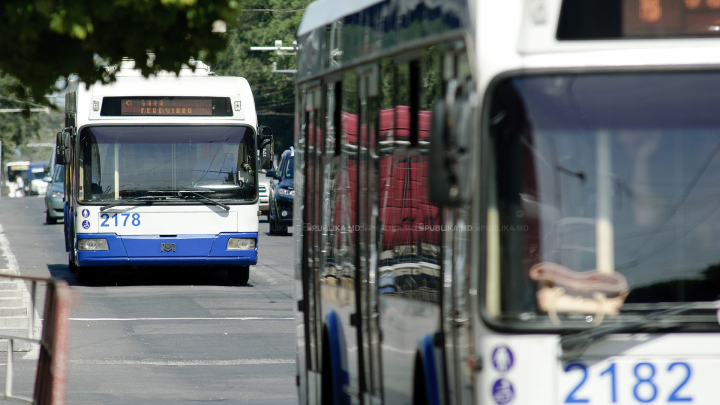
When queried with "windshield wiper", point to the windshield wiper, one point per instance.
{"points": [[147, 198], [573, 340], [196, 194]]}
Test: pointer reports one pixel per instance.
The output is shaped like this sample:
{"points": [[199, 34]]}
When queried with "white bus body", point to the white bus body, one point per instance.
{"points": [[570, 252], [143, 167]]}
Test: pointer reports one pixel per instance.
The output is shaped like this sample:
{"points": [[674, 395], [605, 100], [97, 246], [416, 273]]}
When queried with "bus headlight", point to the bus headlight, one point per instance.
{"points": [[240, 244], [92, 244]]}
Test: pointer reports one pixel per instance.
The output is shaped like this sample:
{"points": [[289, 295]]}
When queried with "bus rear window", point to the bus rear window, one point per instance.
{"points": [[636, 19]]}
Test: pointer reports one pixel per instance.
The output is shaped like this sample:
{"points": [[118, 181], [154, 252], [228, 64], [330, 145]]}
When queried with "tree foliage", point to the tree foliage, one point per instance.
{"points": [[41, 40], [15, 128], [274, 92]]}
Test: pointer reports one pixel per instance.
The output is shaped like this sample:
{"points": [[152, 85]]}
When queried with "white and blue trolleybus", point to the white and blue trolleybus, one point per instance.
{"points": [[508, 202], [162, 172]]}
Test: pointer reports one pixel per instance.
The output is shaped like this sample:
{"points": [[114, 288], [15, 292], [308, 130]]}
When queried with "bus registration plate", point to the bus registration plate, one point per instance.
{"points": [[639, 380]]}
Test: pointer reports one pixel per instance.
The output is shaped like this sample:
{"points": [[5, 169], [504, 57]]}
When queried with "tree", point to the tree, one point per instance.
{"points": [[274, 92], [15, 129], [41, 40]]}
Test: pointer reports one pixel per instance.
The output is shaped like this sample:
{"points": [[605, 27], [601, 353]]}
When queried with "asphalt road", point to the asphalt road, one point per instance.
{"points": [[166, 336]]}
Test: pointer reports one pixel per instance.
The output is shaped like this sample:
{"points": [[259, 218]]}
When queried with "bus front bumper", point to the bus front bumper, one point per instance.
{"points": [[180, 250]]}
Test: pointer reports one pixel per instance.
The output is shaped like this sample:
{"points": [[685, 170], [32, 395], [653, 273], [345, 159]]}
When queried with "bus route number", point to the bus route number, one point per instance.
{"points": [[642, 386], [120, 220]]}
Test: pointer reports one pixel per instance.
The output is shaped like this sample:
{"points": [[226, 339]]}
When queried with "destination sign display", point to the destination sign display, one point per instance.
{"points": [[671, 18], [166, 106], [638, 19]]}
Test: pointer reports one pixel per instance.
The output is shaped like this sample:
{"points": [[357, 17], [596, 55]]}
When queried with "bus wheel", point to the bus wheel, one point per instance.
{"points": [[50, 220], [327, 396], [419, 390], [239, 275], [71, 265], [281, 229], [86, 275]]}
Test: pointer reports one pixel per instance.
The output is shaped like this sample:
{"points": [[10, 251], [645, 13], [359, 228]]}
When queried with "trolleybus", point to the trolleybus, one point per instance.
{"points": [[508, 202], [162, 172]]}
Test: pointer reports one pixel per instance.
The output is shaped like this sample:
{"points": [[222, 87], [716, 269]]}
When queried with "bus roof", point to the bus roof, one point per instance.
{"points": [[86, 103], [323, 12]]}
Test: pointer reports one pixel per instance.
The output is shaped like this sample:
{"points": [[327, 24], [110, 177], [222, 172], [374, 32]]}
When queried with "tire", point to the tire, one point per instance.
{"points": [[327, 395], [71, 265], [50, 220], [272, 225], [280, 229], [87, 275], [239, 275], [419, 390]]}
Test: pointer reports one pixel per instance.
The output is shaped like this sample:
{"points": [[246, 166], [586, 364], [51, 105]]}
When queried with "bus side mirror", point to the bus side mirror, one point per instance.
{"points": [[266, 153], [449, 163], [60, 148], [264, 132], [265, 146]]}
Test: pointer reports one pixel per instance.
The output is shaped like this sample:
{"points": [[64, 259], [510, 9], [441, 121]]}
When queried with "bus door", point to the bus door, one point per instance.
{"points": [[311, 236], [368, 166], [456, 253], [68, 181]]}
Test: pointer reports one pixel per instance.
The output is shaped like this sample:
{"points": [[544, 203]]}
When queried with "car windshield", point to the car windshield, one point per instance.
{"points": [[129, 162], [38, 174], [606, 190], [289, 168], [59, 174]]}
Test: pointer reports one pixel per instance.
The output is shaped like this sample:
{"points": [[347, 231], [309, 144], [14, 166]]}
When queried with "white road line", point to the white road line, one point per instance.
{"points": [[239, 318], [239, 362]]}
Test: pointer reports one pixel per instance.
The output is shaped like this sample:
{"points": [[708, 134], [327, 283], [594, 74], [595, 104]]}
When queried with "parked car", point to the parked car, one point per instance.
{"points": [[283, 194], [54, 196]]}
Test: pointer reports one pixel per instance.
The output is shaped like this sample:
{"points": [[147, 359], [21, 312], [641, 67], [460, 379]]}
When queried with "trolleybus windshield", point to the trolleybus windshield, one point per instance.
{"points": [[117, 163], [653, 139]]}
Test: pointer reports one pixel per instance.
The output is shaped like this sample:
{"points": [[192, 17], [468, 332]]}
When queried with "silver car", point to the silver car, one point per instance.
{"points": [[54, 207], [264, 193]]}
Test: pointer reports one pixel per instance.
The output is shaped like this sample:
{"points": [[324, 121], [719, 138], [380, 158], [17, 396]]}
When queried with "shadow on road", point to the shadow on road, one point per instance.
{"points": [[149, 276]]}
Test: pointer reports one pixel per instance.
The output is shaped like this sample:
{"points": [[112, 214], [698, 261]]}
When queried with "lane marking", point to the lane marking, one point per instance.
{"points": [[239, 362], [238, 318]]}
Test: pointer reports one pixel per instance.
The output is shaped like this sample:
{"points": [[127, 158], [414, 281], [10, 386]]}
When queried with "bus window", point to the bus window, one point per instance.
{"points": [[658, 155]]}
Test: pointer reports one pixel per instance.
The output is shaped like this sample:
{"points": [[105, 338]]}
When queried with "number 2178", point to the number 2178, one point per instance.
{"points": [[120, 220]]}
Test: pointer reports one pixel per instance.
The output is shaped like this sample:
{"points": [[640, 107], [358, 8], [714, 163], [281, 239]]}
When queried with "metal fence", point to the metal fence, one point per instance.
{"points": [[51, 374]]}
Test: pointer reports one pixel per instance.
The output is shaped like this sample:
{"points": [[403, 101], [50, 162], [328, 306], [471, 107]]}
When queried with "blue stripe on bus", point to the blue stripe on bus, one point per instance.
{"points": [[339, 376], [427, 354], [189, 250]]}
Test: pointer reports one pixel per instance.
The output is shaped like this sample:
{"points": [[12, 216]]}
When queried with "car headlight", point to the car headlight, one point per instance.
{"points": [[57, 194], [286, 192], [240, 244], [92, 244]]}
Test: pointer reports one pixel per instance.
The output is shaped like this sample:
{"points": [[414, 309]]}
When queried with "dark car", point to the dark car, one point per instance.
{"points": [[283, 194]]}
